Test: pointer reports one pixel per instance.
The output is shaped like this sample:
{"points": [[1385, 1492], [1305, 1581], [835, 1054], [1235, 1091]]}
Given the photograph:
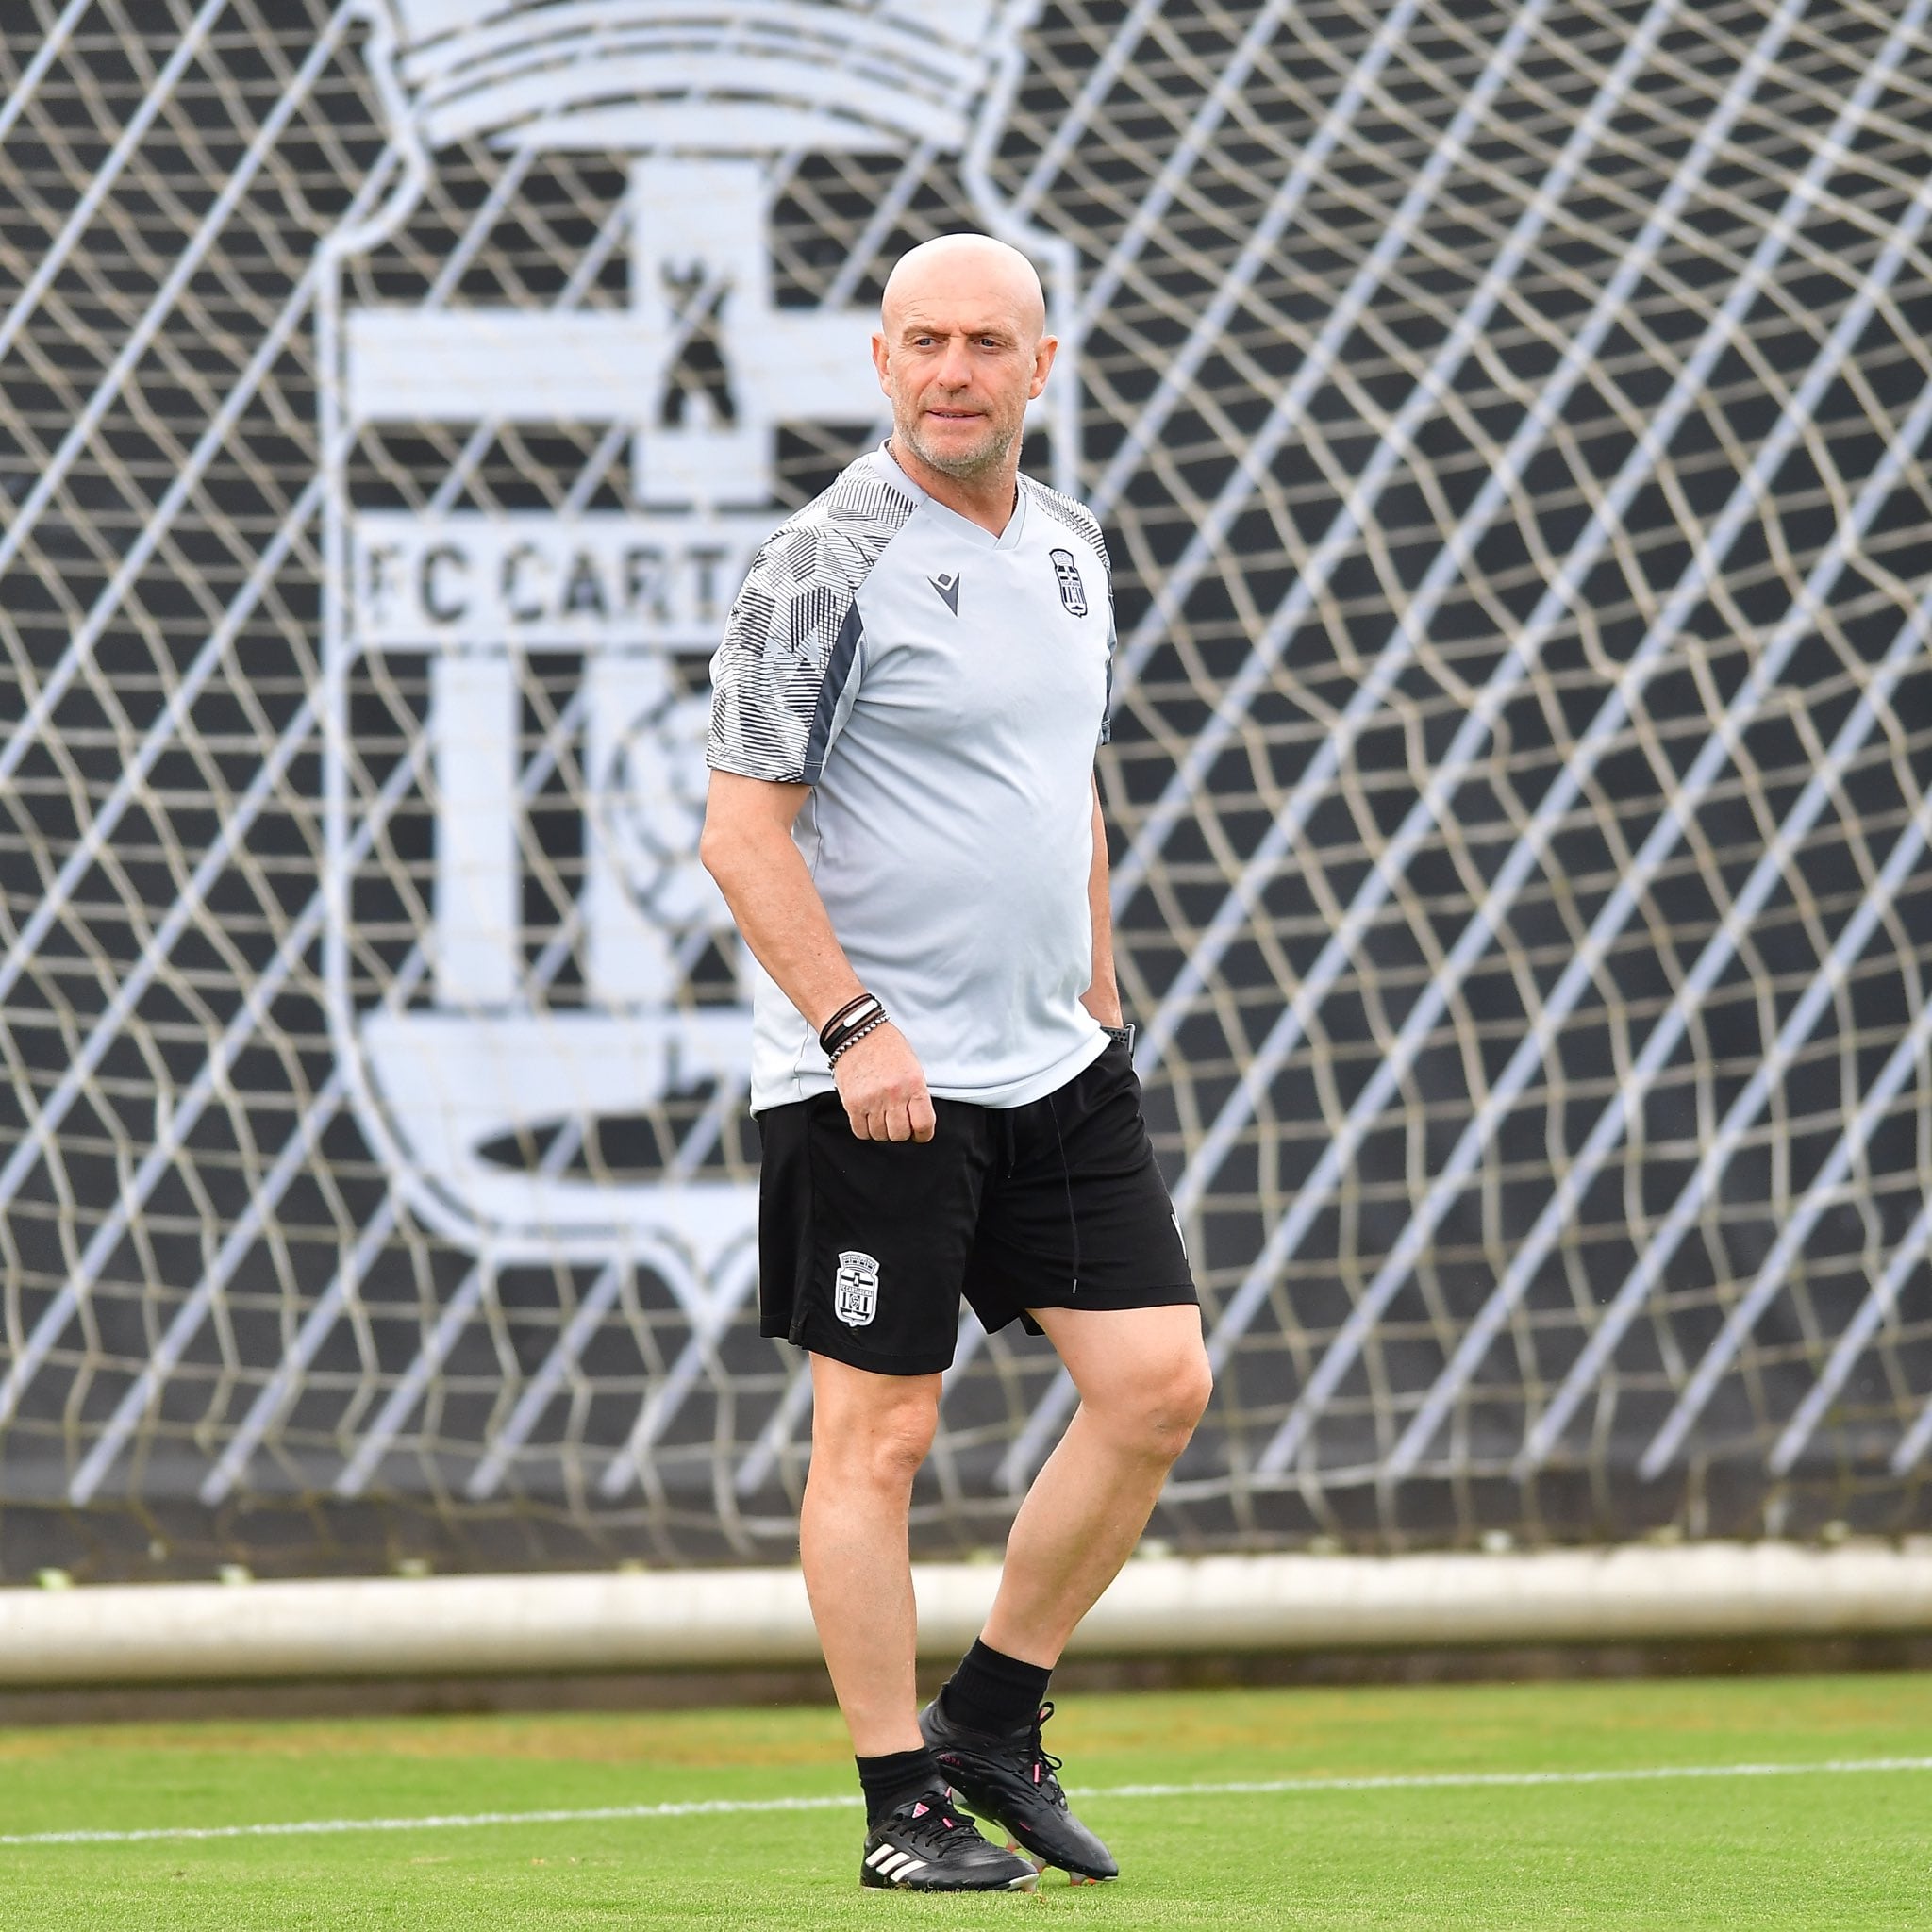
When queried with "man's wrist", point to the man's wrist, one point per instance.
{"points": [[1104, 1008], [1121, 1035]]}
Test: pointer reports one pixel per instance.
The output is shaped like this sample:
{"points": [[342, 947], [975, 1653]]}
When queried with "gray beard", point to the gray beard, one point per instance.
{"points": [[963, 467]]}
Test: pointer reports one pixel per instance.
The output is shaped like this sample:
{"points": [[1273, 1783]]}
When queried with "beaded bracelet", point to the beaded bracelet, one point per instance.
{"points": [[858, 1033]]}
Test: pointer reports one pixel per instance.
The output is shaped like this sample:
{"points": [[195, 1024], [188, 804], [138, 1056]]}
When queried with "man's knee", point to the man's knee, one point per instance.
{"points": [[887, 1451], [876, 1430], [1160, 1406], [1182, 1399]]}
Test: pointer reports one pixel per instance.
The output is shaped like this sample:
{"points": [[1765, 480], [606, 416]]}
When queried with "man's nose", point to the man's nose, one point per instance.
{"points": [[956, 366]]}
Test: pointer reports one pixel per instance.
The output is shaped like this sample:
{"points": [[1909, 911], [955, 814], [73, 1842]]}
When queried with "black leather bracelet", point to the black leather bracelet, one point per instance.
{"points": [[844, 1027], [844, 1012]]}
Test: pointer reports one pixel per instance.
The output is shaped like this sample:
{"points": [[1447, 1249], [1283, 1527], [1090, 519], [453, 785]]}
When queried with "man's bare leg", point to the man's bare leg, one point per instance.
{"points": [[1144, 1379], [869, 1435]]}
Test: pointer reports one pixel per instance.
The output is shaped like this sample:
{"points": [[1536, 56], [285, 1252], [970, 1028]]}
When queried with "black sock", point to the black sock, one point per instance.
{"points": [[896, 1779], [992, 1691]]}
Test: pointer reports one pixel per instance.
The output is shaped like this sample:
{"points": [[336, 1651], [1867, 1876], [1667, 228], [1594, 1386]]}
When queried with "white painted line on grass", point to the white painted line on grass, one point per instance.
{"points": [[463, 1820], [1444, 1781], [1471, 1780]]}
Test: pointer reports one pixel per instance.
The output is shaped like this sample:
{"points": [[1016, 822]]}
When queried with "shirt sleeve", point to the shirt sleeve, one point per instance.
{"points": [[1113, 641], [784, 678], [1107, 702]]}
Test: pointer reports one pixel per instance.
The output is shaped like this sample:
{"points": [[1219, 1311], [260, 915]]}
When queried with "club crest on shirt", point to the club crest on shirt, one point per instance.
{"points": [[1067, 574], [856, 1297]]}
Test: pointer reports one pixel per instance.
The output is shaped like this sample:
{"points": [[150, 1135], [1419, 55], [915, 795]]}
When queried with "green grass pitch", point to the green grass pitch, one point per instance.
{"points": [[1846, 1847]]}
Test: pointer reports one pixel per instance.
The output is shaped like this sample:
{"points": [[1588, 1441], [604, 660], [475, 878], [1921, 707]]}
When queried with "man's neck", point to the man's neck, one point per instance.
{"points": [[987, 500]]}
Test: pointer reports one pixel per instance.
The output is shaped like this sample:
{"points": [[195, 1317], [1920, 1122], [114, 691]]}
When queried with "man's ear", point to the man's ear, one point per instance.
{"points": [[1047, 349]]}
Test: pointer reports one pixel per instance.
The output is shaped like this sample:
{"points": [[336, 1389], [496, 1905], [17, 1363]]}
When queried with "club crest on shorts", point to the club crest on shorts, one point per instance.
{"points": [[1067, 574], [856, 1296]]}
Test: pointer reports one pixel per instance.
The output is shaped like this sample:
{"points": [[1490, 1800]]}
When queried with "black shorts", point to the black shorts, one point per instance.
{"points": [[866, 1246]]}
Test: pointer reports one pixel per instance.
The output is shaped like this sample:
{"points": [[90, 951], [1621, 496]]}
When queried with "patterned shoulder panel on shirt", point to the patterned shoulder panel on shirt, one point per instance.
{"points": [[792, 639], [1074, 515]]}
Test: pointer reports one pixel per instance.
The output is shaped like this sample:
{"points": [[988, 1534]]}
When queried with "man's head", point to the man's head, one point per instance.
{"points": [[961, 349]]}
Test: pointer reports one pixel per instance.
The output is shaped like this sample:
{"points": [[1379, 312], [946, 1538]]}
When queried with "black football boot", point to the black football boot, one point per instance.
{"points": [[1010, 1781], [930, 1846]]}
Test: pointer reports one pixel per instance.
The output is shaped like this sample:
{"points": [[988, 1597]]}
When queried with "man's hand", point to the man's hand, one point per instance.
{"points": [[883, 1087]]}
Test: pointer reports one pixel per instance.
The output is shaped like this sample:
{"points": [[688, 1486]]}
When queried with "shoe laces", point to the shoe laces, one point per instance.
{"points": [[933, 1820], [1043, 1763]]}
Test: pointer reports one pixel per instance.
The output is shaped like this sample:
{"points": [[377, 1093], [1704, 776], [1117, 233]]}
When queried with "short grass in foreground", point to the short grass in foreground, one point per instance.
{"points": [[1824, 1849]]}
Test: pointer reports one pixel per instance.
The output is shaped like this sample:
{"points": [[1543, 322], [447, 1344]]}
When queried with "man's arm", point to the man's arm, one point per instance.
{"points": [[1102, 997], [747, 848]]}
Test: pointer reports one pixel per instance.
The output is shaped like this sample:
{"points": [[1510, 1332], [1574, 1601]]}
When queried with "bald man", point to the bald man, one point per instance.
{"points": [[905, 821]]}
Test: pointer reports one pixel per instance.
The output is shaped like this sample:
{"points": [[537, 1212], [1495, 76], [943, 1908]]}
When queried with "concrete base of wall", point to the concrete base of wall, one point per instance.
{"points": [[708, 1636], [648, 1690]]}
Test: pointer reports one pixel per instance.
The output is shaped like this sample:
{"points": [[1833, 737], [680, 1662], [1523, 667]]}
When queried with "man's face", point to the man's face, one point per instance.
{"points": [[960, 358]]}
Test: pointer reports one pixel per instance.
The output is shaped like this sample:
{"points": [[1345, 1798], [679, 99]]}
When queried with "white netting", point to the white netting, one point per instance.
{"points": [[1509, 423]]}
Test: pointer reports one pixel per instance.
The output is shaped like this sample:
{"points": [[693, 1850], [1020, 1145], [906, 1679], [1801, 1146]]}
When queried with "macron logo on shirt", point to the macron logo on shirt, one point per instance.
{"points": [[947, 584]]}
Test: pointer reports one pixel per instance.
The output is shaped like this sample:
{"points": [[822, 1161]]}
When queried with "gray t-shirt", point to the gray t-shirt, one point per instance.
{"points": [[942, 690]]}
